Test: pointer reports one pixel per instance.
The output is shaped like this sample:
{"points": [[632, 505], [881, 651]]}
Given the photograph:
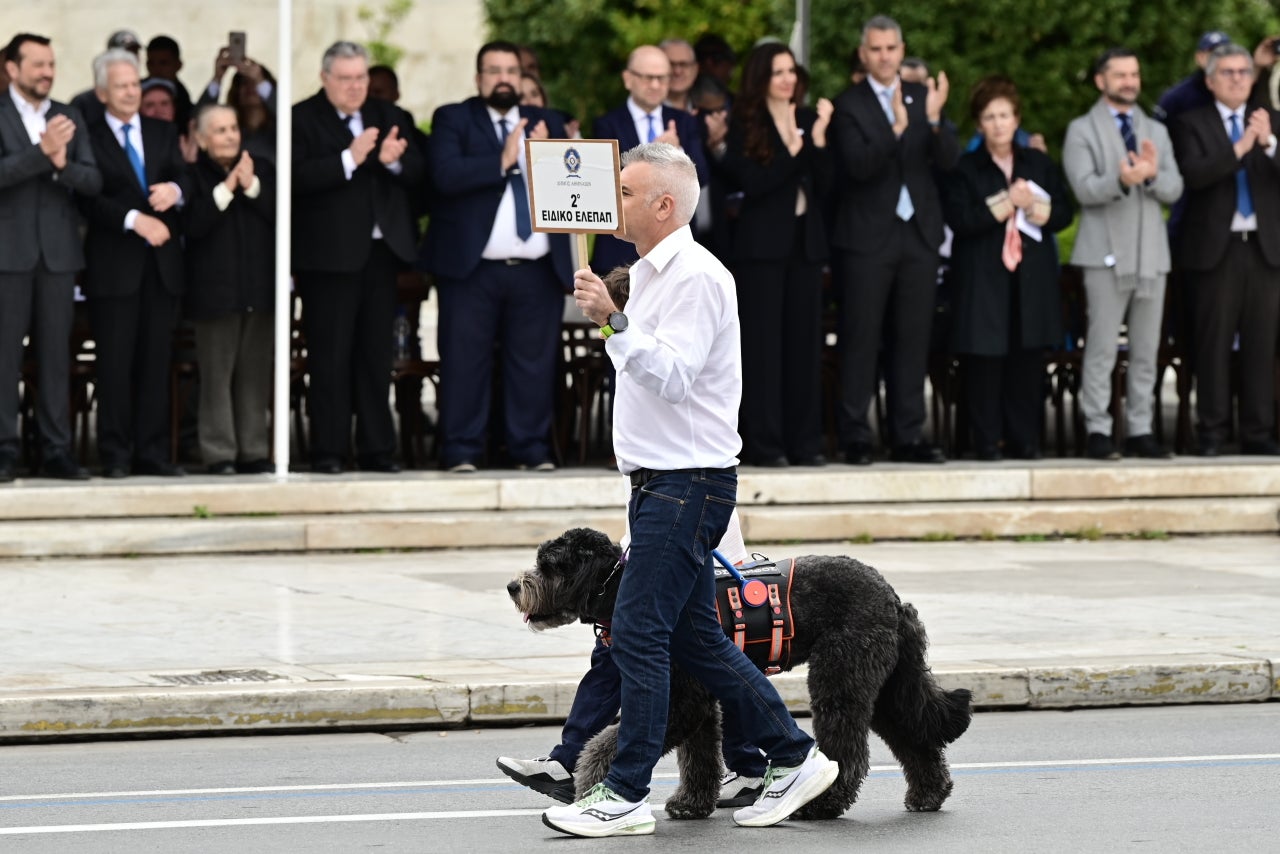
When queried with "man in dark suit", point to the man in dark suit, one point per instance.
{"points": [[87, 101], [1230, 249], [45, 157], [497, 279], [889, 140], [645, 117], [134, 273], [353, 168]]}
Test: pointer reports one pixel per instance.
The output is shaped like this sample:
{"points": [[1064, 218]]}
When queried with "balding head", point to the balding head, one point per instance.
{"points": [[647, 77]]}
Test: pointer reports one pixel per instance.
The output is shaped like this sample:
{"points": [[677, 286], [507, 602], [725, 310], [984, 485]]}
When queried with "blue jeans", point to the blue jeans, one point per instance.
{"points": [[595, 705], [665, 612]]}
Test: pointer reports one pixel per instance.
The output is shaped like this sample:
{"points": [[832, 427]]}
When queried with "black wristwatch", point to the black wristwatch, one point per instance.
{"points": [[617, 323]]}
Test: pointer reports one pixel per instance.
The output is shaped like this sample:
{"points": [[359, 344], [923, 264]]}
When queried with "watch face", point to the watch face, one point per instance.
{"points": [[618, 321]]}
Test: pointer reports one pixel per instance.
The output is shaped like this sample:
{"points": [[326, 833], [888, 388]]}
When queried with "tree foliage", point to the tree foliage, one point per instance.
{"points": [[582, 45], [1046, 46]]}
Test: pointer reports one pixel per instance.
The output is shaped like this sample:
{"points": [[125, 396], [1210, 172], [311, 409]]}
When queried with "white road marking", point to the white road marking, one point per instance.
{"points": [[474, 814]]}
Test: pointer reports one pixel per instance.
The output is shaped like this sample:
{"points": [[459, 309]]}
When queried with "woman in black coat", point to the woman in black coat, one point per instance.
{"points": [[1004, 203], [776, 155], [230, 296]]}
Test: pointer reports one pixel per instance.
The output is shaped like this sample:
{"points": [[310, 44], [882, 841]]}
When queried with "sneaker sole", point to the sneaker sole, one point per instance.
{"points": [[807, 791], [745, 799], [640, 828], [560, 790]]}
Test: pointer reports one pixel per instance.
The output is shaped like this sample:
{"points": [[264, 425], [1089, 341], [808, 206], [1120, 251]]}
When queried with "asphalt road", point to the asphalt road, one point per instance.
{"points": [[1191, 778]]}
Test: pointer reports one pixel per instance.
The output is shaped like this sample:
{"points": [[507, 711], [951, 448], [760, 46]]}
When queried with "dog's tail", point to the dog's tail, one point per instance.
{"points": [[940, 717]]}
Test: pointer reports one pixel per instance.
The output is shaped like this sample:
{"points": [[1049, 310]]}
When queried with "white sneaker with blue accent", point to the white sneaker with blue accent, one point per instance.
{"points": [[601, 812], [788, 789]]}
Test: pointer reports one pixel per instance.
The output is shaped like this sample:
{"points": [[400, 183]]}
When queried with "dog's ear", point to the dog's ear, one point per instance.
{"points": [[590, 544]]}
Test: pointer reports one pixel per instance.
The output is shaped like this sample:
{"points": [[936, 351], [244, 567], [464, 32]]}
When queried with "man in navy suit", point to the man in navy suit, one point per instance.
{"points": [[498, 280], [645, 118], [134, 271], [45, 159]]}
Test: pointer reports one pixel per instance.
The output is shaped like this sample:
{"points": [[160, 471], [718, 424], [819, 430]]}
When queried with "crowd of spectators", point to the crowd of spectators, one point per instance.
{"points": [[160, 208]]}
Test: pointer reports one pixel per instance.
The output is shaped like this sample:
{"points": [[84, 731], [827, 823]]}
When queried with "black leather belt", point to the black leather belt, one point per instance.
{"points": [[640, 477]]}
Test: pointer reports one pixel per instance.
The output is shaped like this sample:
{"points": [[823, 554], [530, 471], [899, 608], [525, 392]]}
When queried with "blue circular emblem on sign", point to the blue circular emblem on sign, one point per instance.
{"points": [[572, 160]]}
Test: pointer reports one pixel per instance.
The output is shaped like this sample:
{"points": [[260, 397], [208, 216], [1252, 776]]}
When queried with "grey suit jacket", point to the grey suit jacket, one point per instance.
{"points": [[38, 214], [1119, 228]]}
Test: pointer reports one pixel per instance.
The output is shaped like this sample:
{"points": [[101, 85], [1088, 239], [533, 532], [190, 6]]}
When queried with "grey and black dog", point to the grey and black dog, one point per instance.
{"points": [[867, 672]]}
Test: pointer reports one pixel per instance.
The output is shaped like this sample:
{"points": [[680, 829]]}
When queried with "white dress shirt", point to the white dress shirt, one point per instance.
{"points": [[503, 242], [356, 122], [679, 362], [641, 119], [1239, 222], [34, 119]]}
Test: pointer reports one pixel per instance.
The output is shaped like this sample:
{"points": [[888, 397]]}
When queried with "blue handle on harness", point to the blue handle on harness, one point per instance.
{"points": [[754, 592]]}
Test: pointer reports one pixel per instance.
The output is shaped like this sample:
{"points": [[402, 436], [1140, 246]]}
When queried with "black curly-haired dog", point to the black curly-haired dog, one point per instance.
{"points": [[867, 672]]}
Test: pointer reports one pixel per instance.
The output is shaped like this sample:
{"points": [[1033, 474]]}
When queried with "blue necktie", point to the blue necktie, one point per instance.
{"points": [[519, 194], [906, 208], [1244, 198], [135, 160], [1126, 131], [653, 132]]}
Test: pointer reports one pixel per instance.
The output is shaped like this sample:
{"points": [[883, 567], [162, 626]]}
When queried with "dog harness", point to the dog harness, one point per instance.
{"points": [[753, 602]]}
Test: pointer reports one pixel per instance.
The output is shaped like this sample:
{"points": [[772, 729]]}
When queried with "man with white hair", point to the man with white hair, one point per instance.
{"points": [[134, 271], [679, 383]]}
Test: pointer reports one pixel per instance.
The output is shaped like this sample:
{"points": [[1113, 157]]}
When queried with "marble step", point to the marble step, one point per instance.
{"points": [[212, 533], [583, 489]]}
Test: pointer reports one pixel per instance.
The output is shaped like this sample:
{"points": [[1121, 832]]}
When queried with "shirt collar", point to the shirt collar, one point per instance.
{"points": [[1226, 112], [1116, 113], [880, 89], [511, 116], [638, 113], [115, 124], [24, 106], [660, 256]]}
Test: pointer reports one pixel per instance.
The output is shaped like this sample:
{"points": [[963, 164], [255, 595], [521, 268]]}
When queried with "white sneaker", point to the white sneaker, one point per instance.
{"points": [[601, 812], [543, 775], [739, 791], [788, 789]]}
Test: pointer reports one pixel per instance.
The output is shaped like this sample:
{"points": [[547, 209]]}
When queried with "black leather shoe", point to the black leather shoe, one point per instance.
{"points": [[326, 467], [1260, 448], [917, 452], [115, 471], [7, 472], [256, 467], [1099, 447], [989, 455], [1145, 446], [1026, 452], [63, 468], [157, 468], [858, 454], [815, 461], [224, 467], [385, 465]]}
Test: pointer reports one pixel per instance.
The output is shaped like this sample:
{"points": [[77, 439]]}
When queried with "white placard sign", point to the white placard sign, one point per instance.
{"points": [[574, 186]]}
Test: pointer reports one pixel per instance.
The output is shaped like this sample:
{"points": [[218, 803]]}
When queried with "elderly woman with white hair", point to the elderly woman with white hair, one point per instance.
{"points": [[230, 229]]}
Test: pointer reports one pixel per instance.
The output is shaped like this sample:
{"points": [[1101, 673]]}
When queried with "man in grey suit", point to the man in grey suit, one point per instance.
{"points": [[45, 158], [1120, 165]]}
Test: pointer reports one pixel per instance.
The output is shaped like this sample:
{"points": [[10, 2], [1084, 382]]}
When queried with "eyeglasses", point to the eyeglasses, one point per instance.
{"points": [[683, 65], [494, 71], [651, 79], [349, 79], [1234, 72]]}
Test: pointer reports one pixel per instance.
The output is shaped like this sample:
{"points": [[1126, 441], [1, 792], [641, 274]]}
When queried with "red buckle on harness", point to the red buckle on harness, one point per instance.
{"points": [[739, 626]]}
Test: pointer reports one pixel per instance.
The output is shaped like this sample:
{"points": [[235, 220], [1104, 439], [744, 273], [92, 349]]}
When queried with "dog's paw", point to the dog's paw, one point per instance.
{"points": [[819, 809], [681, 807], [921, 801]]}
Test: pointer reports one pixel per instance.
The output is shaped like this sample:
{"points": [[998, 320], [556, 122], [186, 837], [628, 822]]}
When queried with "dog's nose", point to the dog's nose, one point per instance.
{"points": [[513, 587]]}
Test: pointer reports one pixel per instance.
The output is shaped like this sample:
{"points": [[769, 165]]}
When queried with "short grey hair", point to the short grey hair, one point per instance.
{"points": [[666, 43], [342, 50], [674, 175], [880, 22], [106, 59], [204, 114], [1222, 51]]}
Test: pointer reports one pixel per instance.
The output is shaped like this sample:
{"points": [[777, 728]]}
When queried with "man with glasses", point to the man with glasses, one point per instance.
{"points": [[684, 70], [1230, 249], [645, 117], [353, 171], [497, 278]]}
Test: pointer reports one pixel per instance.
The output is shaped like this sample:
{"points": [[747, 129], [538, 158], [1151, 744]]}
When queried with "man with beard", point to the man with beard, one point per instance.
{"points": [[1121, 167], [45, 156], [496, 277], [353, 171]]}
